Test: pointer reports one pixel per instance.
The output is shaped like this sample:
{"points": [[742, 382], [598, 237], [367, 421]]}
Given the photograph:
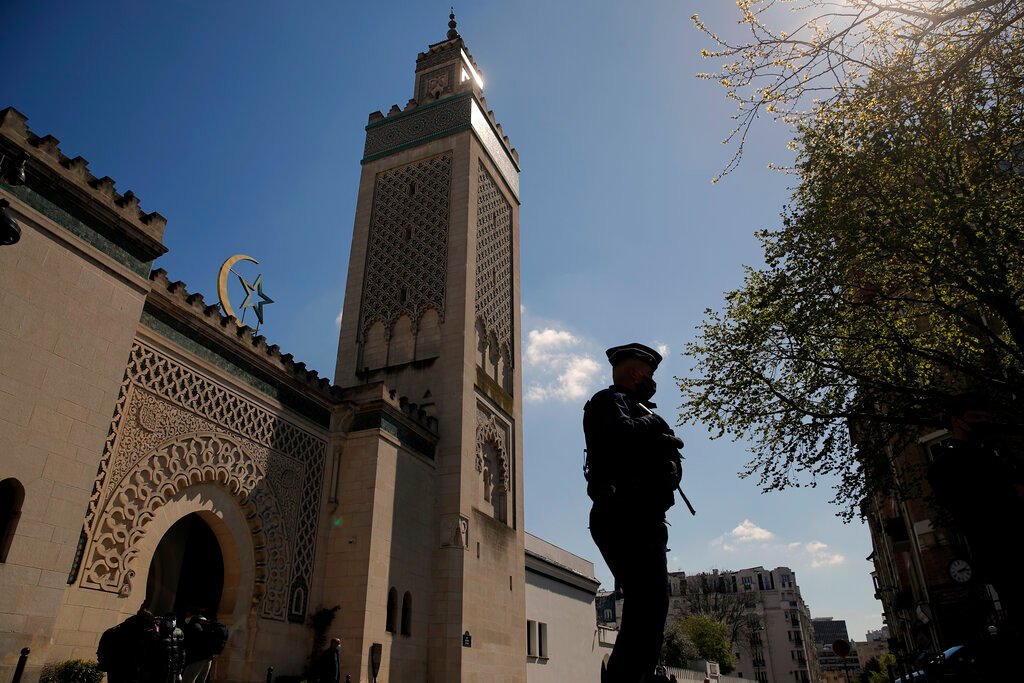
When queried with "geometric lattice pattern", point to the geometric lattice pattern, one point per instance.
{"points": [[407, 253], [173, 428], [494, 263]]}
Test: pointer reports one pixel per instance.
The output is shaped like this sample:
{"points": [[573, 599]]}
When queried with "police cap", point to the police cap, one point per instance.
{"points": [[617, 354]]}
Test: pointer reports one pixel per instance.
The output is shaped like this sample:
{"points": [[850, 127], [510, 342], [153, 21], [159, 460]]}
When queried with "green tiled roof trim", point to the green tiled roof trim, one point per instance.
{"points": [[378, 419], [91, 234], [174, 331]]}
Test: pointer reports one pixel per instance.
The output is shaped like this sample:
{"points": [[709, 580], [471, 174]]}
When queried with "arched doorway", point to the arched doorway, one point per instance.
{"points": [[187, 570]]}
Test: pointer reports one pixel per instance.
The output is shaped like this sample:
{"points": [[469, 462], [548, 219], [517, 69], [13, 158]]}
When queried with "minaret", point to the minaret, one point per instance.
{"points": [[432, 312]]}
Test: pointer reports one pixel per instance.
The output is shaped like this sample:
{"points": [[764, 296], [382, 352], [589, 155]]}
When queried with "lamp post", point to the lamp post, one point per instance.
{"points": [[12, 172], [10, 231]]}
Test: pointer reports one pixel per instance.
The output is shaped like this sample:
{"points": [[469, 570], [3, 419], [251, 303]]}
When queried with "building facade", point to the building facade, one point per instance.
{"points": [[563, 639], [933, 593], [768, 618], [156, 452], [834, 669]]}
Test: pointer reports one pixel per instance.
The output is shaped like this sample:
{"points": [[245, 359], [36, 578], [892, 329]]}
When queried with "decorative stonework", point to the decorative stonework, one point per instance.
{"points": [[439, 54], [447, 116], [168, 295], [436, 83], [454, 532], [407, 254], [493, 444], [76, 227], [174, 428], [494, 264], [492, 433], [421, 123]]}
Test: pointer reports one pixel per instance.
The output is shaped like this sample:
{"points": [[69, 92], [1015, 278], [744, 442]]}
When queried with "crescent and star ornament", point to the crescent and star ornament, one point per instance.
{"points": [[254, 296]]}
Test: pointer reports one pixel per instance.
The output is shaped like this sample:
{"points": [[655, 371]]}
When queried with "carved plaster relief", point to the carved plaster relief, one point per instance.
{"points": [[174, 428], [454, 532], [492, 462]]}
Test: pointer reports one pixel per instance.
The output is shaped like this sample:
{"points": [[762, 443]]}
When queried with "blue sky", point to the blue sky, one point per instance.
{"points": [[242, 123]]}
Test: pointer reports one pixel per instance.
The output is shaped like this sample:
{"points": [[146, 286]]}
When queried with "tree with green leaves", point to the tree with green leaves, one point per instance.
{"points": [[677, 648], [895, 284], [884, 670], [707, 595], [710, 638], [792, 55]]}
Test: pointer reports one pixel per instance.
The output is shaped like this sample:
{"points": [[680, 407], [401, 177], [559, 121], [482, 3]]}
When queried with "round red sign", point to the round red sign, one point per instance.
{"points": [[840, 647]]}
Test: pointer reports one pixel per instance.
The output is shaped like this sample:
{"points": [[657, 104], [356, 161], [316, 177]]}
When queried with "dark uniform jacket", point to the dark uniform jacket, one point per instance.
{"points": [[627, 454], [328, 666]]}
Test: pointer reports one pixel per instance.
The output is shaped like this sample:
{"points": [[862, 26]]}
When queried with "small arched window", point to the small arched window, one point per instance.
{"points": [[12, 495], [407, 614], [392, 610]]}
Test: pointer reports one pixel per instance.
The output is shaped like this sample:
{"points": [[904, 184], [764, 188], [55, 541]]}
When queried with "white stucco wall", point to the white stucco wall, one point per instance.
{"points": [[560, 590]]}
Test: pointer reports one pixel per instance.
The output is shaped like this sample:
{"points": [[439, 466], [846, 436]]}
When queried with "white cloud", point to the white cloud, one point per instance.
{"points": [[662, 348], [545, 346], [748, 531], [821, 556], [747, 538], [745, 532], [565, 373], [337, 320]]}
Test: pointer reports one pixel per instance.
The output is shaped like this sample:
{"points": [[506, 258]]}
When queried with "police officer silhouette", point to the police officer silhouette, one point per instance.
{"points": [[632, 470]]}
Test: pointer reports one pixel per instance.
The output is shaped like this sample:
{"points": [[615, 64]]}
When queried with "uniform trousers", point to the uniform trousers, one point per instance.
{"points": [[634, 547]]}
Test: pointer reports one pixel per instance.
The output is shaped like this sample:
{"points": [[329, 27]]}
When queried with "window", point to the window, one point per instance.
{"points": [[392, 608], [785, 580], [934, 443], [531, 638], [748, 583], [12, 495], [542, 640], [407, 614]]}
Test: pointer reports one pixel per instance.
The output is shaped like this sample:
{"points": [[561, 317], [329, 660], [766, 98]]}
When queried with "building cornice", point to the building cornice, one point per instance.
{"points": [[67, 182], [543, 566]]}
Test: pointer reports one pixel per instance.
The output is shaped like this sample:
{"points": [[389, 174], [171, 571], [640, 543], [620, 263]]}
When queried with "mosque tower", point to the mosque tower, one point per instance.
{"points": [[429, 562]]}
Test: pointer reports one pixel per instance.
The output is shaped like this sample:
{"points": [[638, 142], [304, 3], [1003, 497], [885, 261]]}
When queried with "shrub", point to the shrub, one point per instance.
{"points": [[71, 671]]}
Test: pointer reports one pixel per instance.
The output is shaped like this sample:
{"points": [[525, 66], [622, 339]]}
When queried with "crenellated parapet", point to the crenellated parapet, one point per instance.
{"points": [[418, 123], [378, 407], [186, 318], [54, 179], [396, 113], [170, 303]]}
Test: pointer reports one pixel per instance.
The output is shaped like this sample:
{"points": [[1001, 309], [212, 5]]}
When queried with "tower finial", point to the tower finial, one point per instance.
{"points": [[452, 33]]}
